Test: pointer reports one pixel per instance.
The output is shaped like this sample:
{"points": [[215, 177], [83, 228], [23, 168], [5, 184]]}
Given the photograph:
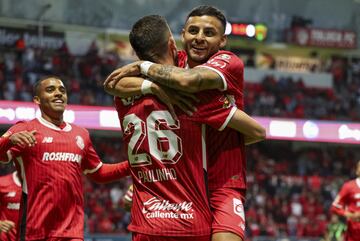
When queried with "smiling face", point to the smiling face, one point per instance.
{"points": [[52, 99], [202, 37]]}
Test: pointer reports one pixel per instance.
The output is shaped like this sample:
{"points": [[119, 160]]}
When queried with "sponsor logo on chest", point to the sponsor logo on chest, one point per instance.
{"points": [[63, 156], [156, 208]]}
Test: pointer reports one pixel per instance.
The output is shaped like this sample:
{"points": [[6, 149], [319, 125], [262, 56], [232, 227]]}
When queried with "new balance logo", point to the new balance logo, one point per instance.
{"points": [[47, 139], [11, 194]]}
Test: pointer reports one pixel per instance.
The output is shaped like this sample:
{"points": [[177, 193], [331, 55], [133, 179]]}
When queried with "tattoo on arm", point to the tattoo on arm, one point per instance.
{"points": [[196, 79]]}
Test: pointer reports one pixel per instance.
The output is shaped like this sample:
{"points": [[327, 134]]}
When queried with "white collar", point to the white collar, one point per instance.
{"points": [[16, 179], [50, 125]]}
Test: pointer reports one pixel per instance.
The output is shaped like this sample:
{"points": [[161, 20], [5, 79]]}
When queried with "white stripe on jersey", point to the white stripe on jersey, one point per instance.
{"points": [[219, 73], [87, 171], [228, 118], [203, 146]]}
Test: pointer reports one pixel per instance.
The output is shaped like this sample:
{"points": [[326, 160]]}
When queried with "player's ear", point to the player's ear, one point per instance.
{"points": [[36, 100], [223, 41], [182, 35]]}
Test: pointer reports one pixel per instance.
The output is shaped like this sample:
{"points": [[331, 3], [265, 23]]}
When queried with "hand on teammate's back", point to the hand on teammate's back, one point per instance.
{"points": [[6, 226], [185, 101]]}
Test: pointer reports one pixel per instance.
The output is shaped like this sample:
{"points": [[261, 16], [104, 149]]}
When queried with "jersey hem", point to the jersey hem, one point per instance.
{"points": [[175, 234]]}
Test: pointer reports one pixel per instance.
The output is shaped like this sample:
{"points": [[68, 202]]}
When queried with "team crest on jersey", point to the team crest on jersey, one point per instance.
{"points": [[80, 142], [227, 100], [224, 57], [130, 100], [239, 208]]}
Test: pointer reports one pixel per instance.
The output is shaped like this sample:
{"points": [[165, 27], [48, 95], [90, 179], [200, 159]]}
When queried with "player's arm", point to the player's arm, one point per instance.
{"points": [[187, 80], [10, 139], [253, 132], [132, 86], [110, 172]]}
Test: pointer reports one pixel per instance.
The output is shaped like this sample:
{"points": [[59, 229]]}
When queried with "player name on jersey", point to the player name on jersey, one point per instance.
{"points": [[157, 175]]}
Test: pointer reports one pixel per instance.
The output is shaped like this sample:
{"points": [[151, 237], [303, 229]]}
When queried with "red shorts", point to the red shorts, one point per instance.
{"points": [[144, 237], [227, 207]]}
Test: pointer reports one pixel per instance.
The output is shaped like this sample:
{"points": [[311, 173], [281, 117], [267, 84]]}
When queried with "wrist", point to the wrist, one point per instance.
{"points": [[145, 66], [147, 87]]}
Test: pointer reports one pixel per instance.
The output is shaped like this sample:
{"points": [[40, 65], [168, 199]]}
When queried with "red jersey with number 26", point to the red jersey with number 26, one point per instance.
{"points": [[166, 157]]}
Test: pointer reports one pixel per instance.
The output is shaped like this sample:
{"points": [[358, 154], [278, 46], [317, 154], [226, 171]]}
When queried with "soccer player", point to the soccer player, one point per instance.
{"points": [[159, 144], [50, 156], [10, 195], [203, 36], [347, 204]]}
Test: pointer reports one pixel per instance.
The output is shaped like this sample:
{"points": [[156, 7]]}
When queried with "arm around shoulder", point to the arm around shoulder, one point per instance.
{"points": [[249, 127]]}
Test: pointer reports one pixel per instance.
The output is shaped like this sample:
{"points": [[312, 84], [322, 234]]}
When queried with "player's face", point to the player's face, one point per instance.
{"points": [[202, 37], [52, 98]]}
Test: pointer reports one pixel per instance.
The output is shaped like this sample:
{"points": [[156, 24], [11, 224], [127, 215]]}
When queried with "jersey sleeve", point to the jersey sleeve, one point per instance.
{"points": [[91, 162], [214, 109], [339, 204], [15, 151], [229, 67]]}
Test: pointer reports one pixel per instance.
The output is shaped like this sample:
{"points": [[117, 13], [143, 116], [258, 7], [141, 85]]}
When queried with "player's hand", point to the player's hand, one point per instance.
{"points": [[354, 216], [23, 138], [6, 226], [164, 97], [185, 101], [127, 199], [132, 69]]}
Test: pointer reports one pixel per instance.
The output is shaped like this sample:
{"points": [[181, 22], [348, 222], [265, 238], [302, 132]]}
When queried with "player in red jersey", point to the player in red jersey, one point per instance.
{"points": [[347, 204], [50, 156], [202, 37], [144, 46], [10, 194], [170, 138]]}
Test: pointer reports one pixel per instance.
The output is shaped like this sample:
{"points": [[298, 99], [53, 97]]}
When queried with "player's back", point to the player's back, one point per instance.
{"points": [[10, 195], [166, 165]]}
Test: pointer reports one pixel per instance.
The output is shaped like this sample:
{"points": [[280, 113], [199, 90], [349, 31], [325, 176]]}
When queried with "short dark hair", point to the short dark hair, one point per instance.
{"points": [[38, 83], [149, 37], [207, 10]]}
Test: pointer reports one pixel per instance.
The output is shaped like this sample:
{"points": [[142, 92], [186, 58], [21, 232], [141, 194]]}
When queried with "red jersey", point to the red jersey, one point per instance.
{"points": [[349, 199], [52, 204], [225, 149], [166, 159], [10, 195]]}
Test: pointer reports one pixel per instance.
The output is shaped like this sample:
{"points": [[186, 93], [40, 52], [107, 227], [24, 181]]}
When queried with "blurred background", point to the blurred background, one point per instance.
{"points": [[302, 75]]}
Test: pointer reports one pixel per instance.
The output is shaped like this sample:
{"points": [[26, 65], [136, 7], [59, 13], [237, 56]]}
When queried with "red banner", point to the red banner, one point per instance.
{"points": [[326, 38]]}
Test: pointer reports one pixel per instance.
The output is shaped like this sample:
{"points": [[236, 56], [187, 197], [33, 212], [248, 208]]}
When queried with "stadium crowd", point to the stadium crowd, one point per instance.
{"points": [[284, 97]]}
